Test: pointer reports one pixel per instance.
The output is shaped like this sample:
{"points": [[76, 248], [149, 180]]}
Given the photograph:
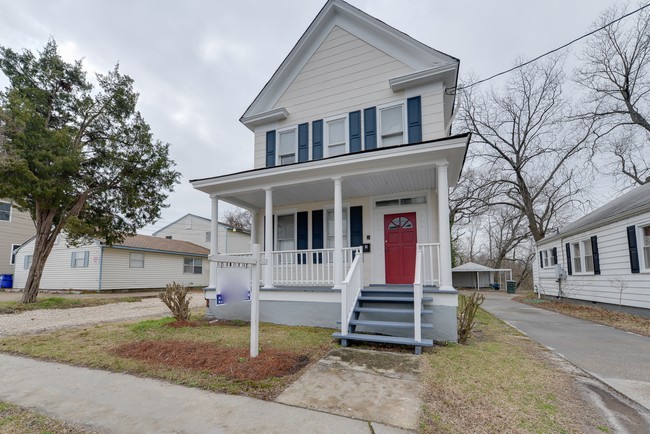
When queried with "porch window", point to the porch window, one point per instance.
{"points": [[287, 145], [5, 211], [577, 260], [286, 230], [192, 265], [335, 137], [645, 242], [391, 125], [14, 249], [136, 260], [329, 228]]}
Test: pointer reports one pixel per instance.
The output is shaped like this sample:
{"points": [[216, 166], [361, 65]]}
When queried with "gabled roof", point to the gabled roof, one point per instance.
{"points": [[634, 202], [163, 245], [472, 267], [425, 61], [198, 217]]}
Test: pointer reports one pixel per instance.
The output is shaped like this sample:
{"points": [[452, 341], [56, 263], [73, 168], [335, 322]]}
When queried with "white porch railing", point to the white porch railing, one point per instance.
{"points": [[350, 289], [313, 267], [418, 289], [430, 263]]}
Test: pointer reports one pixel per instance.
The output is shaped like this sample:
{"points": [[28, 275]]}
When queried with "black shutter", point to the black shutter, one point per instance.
{"points": [[594, 252], [317, 234], [356, 226], [302, 235], [569, 269], [317, 140], [370, 128], [541, 259], [355, 131], [303, 142], [270, 148], [634, 252], [554, 255], [414, 119]]}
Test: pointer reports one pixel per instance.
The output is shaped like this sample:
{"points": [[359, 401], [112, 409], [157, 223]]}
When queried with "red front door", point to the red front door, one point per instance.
{"points": [[400, 238]]}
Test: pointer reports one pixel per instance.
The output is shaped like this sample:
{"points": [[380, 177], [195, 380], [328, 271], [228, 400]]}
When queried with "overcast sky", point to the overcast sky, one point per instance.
{"points": [[198, 64]]}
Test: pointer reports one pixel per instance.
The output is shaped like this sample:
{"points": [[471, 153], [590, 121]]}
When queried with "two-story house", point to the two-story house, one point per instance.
{"points": [[349, 190], [16, 227]]}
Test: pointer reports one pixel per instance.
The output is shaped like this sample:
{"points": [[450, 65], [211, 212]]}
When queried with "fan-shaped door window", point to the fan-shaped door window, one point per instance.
{"points": [[400, 222]]}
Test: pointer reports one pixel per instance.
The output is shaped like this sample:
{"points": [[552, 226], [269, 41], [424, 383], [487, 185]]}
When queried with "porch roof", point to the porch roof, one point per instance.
{"points": [[381, 171]]}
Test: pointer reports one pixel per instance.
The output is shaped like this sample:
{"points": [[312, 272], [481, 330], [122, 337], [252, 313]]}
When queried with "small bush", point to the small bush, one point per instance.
{"points": [[175, 297], [467, 308]]}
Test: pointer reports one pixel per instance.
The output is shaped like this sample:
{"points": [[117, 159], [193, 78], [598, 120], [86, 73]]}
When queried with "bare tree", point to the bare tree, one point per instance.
{"points": [[505, 228], [616, 75], [238, 218], [526, 143]]}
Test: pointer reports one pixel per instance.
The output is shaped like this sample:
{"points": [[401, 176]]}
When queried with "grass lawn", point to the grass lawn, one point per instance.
{"points": [[194, 355], [624, 321], [61, 303], [17, 420], [500, 382]]}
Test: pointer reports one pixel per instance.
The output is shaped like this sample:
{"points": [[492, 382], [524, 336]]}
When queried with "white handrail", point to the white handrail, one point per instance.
{"points": [[309, 267], [417, 296], [430, 263], [350, 290]]}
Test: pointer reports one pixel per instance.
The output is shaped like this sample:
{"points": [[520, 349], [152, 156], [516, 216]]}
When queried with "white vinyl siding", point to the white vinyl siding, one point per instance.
{"points": [[17, 229], [286, 232], [136, 260], [192, 265], [614, 260], [287, 146], [346, 74], [232, 242]]}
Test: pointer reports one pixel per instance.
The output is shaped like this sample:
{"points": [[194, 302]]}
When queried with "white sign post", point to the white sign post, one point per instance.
{"points": [[235, 285]]}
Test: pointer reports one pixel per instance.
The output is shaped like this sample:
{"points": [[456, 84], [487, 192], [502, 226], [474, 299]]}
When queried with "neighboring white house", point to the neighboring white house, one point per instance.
{"points": [[16, 227], [196, 229], [140, 262], [353, 158], [602, 257]]}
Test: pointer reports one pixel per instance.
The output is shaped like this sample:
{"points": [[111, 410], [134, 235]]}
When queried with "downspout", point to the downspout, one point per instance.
{"points": [[101, 264]]}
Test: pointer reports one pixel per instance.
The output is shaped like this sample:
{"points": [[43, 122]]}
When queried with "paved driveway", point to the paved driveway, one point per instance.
{"points": [[618, 358]]}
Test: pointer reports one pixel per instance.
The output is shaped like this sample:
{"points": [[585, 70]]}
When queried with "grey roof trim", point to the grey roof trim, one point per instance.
{"points": [[144, 249]]}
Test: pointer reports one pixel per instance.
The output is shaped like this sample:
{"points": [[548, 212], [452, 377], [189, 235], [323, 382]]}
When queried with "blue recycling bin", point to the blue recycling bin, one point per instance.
{"points": [[6, 281]]}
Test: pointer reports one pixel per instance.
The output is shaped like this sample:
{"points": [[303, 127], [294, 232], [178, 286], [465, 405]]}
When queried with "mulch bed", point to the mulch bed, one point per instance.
{"points": [[234, 363]]}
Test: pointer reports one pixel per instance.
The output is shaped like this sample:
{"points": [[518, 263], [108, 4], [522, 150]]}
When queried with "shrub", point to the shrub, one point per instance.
{"points": [[175, 297], [467, 308]]}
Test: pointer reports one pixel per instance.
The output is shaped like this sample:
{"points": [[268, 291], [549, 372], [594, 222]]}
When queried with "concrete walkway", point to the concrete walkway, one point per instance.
{"points": [[119, 403], [619, 359]]}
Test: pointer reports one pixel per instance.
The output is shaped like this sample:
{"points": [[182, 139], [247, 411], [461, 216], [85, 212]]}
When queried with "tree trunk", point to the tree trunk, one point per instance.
{"points": [[43, 243]]}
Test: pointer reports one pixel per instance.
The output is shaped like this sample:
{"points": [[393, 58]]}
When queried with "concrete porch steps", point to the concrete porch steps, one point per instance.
{"points": [[383, 339], [390, 310], [396, 324]]}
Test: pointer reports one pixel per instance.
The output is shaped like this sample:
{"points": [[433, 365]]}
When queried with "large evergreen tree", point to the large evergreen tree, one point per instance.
{"points": [[78, 157]]}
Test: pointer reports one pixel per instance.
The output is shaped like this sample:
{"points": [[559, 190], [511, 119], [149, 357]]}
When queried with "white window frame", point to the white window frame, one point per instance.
{"points": [[326, 235], [208, 236], [278, 156], [380, 135], [582, 257], [27, 262], [578, 257], [82, 256], [12, 253], [276, 241], [545, 256], [135, 263], [643, 249], [346, 134], [192, 265], [10, 211]]}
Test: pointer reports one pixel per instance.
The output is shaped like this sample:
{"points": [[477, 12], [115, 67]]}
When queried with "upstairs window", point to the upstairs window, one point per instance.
{"points": [[14, 249], [208, 236], [287, 146], [5, 211], [391, 125], [335, 137]]}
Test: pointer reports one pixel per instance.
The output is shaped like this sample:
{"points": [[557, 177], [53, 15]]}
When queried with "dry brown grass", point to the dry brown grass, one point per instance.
{"points": [[17, 420], [621, 320], [501, 382]]}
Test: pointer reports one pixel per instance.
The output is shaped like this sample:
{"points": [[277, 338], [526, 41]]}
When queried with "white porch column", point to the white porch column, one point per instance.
{"points": [[214, 238], [268, 238], [253, 227], [338, 234], [443, 227]]}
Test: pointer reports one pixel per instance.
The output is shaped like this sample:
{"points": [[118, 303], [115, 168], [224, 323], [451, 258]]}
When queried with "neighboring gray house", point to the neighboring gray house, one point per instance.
{"points": [[353, 160], [602, 257], [16, 227], [196, 229], [140, 262]]}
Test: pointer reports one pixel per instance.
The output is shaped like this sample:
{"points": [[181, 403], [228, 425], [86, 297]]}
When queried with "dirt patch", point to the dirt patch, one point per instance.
{"points": [[234, 363]]}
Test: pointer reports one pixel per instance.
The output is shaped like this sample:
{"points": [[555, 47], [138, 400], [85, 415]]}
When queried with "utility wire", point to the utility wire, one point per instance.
{"points": [[549, 52]]}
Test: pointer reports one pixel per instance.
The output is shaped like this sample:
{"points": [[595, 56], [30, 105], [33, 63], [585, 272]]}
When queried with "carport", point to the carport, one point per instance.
{"points": [[472, 275]]}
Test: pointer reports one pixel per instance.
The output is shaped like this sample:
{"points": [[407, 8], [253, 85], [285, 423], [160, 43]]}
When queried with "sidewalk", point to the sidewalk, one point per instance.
{"points": [[618, 358], [119, 403]]}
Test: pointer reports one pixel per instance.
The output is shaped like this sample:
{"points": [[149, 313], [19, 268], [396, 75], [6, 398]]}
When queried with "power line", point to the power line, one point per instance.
{"points": [[550, 52]]}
